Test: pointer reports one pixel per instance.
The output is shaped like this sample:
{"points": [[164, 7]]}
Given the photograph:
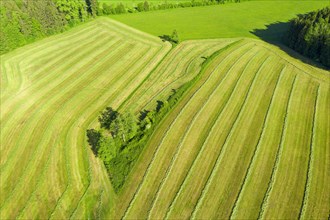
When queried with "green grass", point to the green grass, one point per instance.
{"points": [[221, 21], [253, 129], [43, 139], [238, 124]]}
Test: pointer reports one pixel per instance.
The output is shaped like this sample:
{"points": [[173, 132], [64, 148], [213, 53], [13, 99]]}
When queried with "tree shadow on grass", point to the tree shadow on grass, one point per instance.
{"points": [[276, 34]]}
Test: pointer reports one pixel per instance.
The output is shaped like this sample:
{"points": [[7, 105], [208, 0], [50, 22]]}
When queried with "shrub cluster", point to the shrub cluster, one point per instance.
{"points": [[309, 35], [122, 137]]}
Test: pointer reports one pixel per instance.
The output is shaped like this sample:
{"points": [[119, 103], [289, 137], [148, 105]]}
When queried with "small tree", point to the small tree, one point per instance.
{"points": [[107, 117], [93, 138], [175, 37]]}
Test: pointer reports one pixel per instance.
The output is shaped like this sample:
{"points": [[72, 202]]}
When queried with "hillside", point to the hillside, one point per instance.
{"points": [[239, 118], [239, 124]]}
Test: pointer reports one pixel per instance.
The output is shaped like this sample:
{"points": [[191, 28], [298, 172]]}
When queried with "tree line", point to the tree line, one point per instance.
{"points": [[309, 35], [120, 8], [24, 21]]}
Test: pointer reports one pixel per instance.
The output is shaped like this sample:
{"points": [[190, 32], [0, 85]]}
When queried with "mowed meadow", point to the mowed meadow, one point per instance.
{"points": [[249, 138]]}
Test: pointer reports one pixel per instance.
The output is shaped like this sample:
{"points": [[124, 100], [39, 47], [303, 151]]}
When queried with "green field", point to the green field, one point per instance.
{"points": [[248, 139], [221, 21]]}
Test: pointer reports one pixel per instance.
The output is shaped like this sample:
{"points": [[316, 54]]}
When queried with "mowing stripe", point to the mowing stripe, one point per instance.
{"points": [[292, 168], [278, 154], [256, 149], [35, 152], [310, 159], [210, 178], [53, 91], [165, 133], [194, 164], [189, 128]]}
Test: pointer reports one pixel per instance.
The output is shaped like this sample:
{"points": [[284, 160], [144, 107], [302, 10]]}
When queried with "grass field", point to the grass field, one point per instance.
{"points": [[238, 124], [221, 21], [249, 139]]}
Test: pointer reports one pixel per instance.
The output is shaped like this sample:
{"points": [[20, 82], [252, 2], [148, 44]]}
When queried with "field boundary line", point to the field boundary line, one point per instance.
{"points": [[278, 155], [310, 159], [253, 158], [210, 178]]}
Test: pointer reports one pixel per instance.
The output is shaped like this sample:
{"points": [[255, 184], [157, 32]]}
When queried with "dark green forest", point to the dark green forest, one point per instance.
{"points": [[309, 35], [24, 21]]}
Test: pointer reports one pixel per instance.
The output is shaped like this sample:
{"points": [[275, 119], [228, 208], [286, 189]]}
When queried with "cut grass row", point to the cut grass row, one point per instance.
{"points": [[178, 67], [76, 96], [128, 193], [239, 117], [195, 137], [180, 183], [174, 137]]}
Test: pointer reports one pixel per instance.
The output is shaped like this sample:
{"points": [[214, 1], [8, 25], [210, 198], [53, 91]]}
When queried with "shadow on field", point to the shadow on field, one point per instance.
{"points": [[276, 34]]}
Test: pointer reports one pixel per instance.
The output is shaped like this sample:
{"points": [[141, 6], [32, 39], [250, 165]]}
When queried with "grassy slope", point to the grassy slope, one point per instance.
{"points": [[222, 130], [222, 21], [66, 78], [49, 97]]}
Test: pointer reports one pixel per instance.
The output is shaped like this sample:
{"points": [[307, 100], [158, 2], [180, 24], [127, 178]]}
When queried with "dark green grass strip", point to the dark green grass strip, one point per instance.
{"points": [[108, 101], [86, 153]]}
